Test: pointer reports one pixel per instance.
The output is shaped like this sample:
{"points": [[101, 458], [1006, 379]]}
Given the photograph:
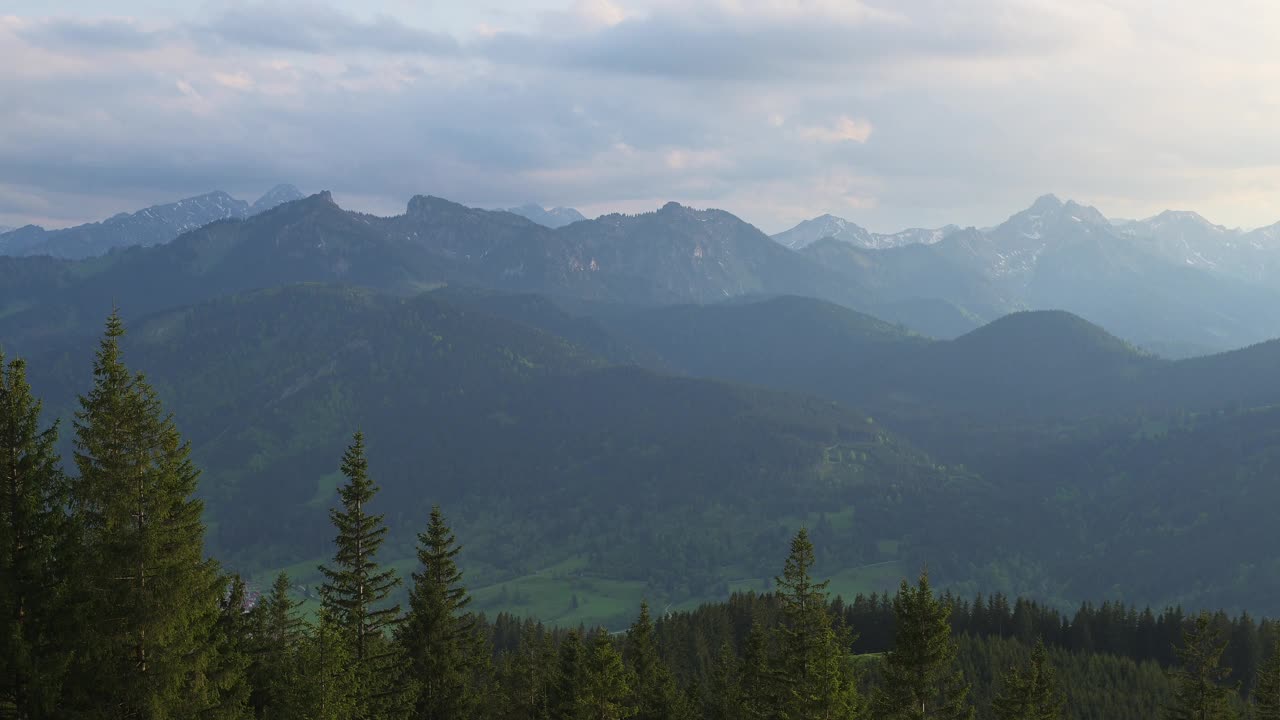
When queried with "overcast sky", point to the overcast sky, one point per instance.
{"points": [[891, 113]]}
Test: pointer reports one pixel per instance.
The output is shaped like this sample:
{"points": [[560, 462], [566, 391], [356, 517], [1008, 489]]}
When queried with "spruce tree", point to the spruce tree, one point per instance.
{"points": [[356, 588], [527, 676], [278, 634], [1031, 692], [1200, 691], [1266, 691], [756, 678], [814, 674], [445, 653], [723, 699], [148, 599], [329, 685], [604, 690], [227, 674], [921, 678], [654, 692], [34, 647], [570, 662]]}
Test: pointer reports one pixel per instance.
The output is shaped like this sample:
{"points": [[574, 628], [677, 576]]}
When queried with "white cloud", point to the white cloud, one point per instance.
{"points": [[895, 112], [845, 129]]}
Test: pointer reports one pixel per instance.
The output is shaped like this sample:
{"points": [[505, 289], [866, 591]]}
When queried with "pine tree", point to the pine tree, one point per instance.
{"points": [[1030, 693], [356, 588], [278, 636], [527, 675], [227, 674], [1200, 692], [723, 699], [446, 654], [813, 669], [655, 695], [147, 597], [563, 698], [921, 679], [33, 500], [605, 686], [756, 680], [278, 633], [328, 685], [1266, 691]]}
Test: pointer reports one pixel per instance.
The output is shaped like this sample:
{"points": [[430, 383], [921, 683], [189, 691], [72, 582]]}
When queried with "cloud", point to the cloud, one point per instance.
{"points": [[87, 35], [846, 129], [319, 29], [893, 113]]}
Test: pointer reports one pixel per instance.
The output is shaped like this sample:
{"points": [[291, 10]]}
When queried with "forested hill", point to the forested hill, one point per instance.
{"points": [[551, 459]]}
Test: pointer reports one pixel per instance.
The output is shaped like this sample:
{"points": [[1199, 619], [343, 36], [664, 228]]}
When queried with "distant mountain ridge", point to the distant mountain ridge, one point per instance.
{"points": [[830, 226], [1152, 281], [155, 225], [672, 255], [548, 217], [1054, 255]]}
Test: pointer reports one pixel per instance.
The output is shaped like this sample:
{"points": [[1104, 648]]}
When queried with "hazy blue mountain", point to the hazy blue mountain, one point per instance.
{"points": [[1063, 255], [1185, 237], [151, 226], [673, 255], [277, 195], [548, 217], [830, 226]]}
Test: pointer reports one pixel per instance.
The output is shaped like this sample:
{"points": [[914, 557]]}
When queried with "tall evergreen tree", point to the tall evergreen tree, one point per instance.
{"points": [[1200, 691], [1266, 691], [329, 684], [654, 692], [814, 670], [1031, 692], [723, 699], [570, 665], [445, 653], [227, 674], [33, 526], [356, 588], [148, 598], [756, 678], [278, 634], [922, 680], [605, 687], [527, 676]]}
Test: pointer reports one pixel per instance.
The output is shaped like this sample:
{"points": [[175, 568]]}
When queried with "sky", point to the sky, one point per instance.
{"points": [[890, 113]]}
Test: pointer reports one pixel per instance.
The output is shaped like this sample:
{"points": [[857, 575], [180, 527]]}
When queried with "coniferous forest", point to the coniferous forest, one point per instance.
{"points": [[112, 608]]}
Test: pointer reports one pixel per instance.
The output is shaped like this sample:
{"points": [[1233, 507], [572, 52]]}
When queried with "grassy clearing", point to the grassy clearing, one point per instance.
{"points": [[563, 595]]}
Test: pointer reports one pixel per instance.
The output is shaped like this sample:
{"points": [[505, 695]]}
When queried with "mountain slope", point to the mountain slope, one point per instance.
{"points": [[1063, 255], [541, 452], [830, 226], [673, 255], [548, 217], [277, 195], [152, 226]]}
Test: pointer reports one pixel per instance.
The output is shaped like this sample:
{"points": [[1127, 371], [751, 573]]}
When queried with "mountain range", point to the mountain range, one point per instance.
{"points": [[606, 391], [1174, 284], [151, 226], [830, 226]]}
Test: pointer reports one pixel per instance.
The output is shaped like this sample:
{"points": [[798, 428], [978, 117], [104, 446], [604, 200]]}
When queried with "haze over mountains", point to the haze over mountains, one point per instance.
{"points": [[548, 217], [649, 376], [150, 226], [1174, 284]]}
